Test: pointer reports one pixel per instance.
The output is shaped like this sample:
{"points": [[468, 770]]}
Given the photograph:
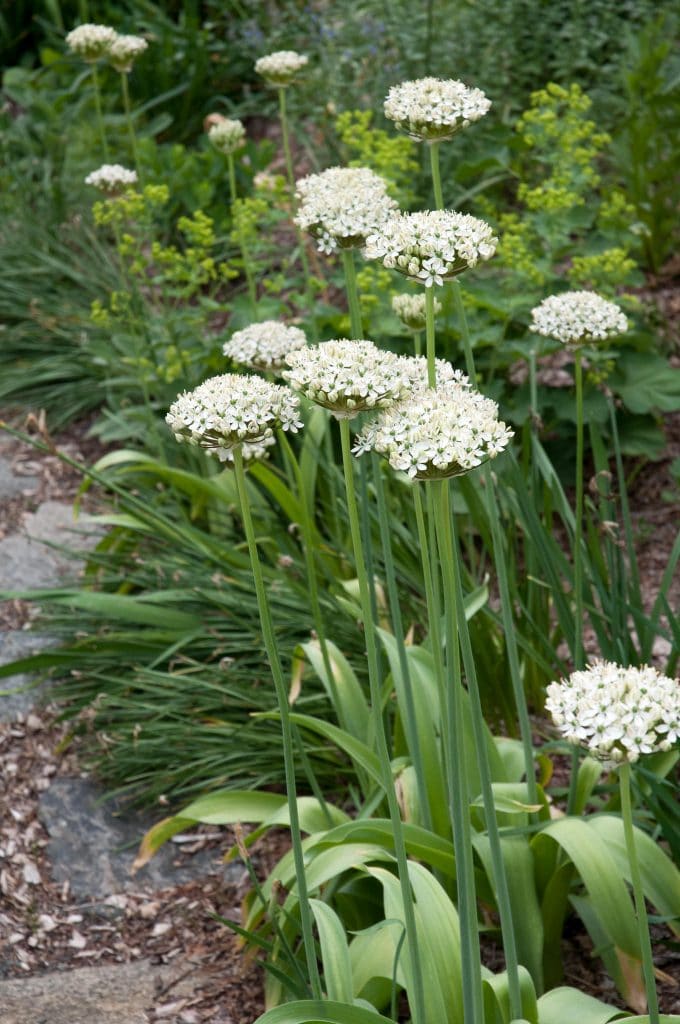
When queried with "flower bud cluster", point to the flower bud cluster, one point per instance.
{"points": [[437, 433], [233, 409], [432, 245], [342, 206], [281, 68], [431, 109], [264, 346], [124, 51], [576, 318], [411, 310], [348, 377], [226, 134], [618, 713], [91, 42], [112, 179]]}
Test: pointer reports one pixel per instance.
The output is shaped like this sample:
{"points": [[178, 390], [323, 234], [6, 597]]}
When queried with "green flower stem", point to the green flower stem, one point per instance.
{"points": [[130, 123], [232, 178], [356, 330], [454, 588], [418, 1007], [436, 175], [282, 698], [247, 268], [507, 618], [454, 737], [398, 627], [283, 117], [417, 342], [430, 337], [98, 108], [578, 514], [638, 894]]}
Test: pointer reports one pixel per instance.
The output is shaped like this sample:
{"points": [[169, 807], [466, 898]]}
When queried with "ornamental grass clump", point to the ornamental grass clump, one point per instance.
{"points": [[264, 346], [342, 206], [434, 109], [112, 179]]}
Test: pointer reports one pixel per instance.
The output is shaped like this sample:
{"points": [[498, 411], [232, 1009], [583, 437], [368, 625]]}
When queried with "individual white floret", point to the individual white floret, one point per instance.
{"points": [[411, 310], [431, 109], [342, 206], [264, 346], [431, 246], [576, 318], [619, 713], [125, 50], [227, 134], [348, 377], [281, 68], [437, 433], [112, 179], [91, 42], [233, 409]]}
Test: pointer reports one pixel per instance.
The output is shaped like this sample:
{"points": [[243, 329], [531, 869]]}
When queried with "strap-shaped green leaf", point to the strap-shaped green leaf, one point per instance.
{"points": [[337, 968]]}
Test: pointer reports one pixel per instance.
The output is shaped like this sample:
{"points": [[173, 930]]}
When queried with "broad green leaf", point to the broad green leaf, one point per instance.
{"points": [[309, 1011], [420, 843], [372, 954], [225, 807], [497, 990], [646, 382], [125, 608], [589, 772], [354, 748], [344, 689], [625, 972], [569, 1006], [337, 968]]}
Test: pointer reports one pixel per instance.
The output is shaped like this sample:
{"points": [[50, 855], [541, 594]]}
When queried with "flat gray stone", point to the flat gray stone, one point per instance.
{"points": [[17, 696], [119, 994], [92, 845], [11, 483], [28, 562]]}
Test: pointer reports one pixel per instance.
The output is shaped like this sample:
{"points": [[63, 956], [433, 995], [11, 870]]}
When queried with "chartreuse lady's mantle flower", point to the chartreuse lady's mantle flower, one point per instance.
{"points": [[618, 713], [437, 433], [125, 50], [576, 318], [431, 246], [233, 410], [91, 42], [226, 134], [432, 109], [348, 377], [281, 68], [411, 310], [112, 179], [342, 206], [264, 346]]}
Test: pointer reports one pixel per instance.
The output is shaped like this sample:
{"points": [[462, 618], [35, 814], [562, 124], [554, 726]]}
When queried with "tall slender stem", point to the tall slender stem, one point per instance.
{"points": [[430, 338], [349, 268], [418, 1008], [98, 108], [286, 731], [436, 175], [417, 342], [283, 116], [578, 513], [454, 587], [130, 123], [638, 894]]}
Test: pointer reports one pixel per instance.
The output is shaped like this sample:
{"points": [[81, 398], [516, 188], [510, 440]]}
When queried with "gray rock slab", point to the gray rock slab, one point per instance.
{"points": [[118, 994], [17, 696], [93, 844], [11, 483], [27, 559]]}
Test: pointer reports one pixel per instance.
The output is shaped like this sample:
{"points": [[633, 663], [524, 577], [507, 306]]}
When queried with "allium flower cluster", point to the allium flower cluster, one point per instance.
{"points": [[575, 318], [264, 346], [416, 369], [112, 179], [431, 109], [281, 68], [125, 50], [431, 246], [91, 42], [342, 206], [227, 134], [437, 433], [617, 713], [233, 409], [348, 377], [411, 310]]}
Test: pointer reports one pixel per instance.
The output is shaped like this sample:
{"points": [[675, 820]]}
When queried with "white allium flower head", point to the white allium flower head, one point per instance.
{"points": [[576, 318], [431, 109], [618, 713], [264, 346], [281, 68], [91, 42], [416, 369], [411, 309], [112, 179], [227, 134], [233, 409], [348, 377], [437, 433], [125, 50], [342, 206], [432, 245]]}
